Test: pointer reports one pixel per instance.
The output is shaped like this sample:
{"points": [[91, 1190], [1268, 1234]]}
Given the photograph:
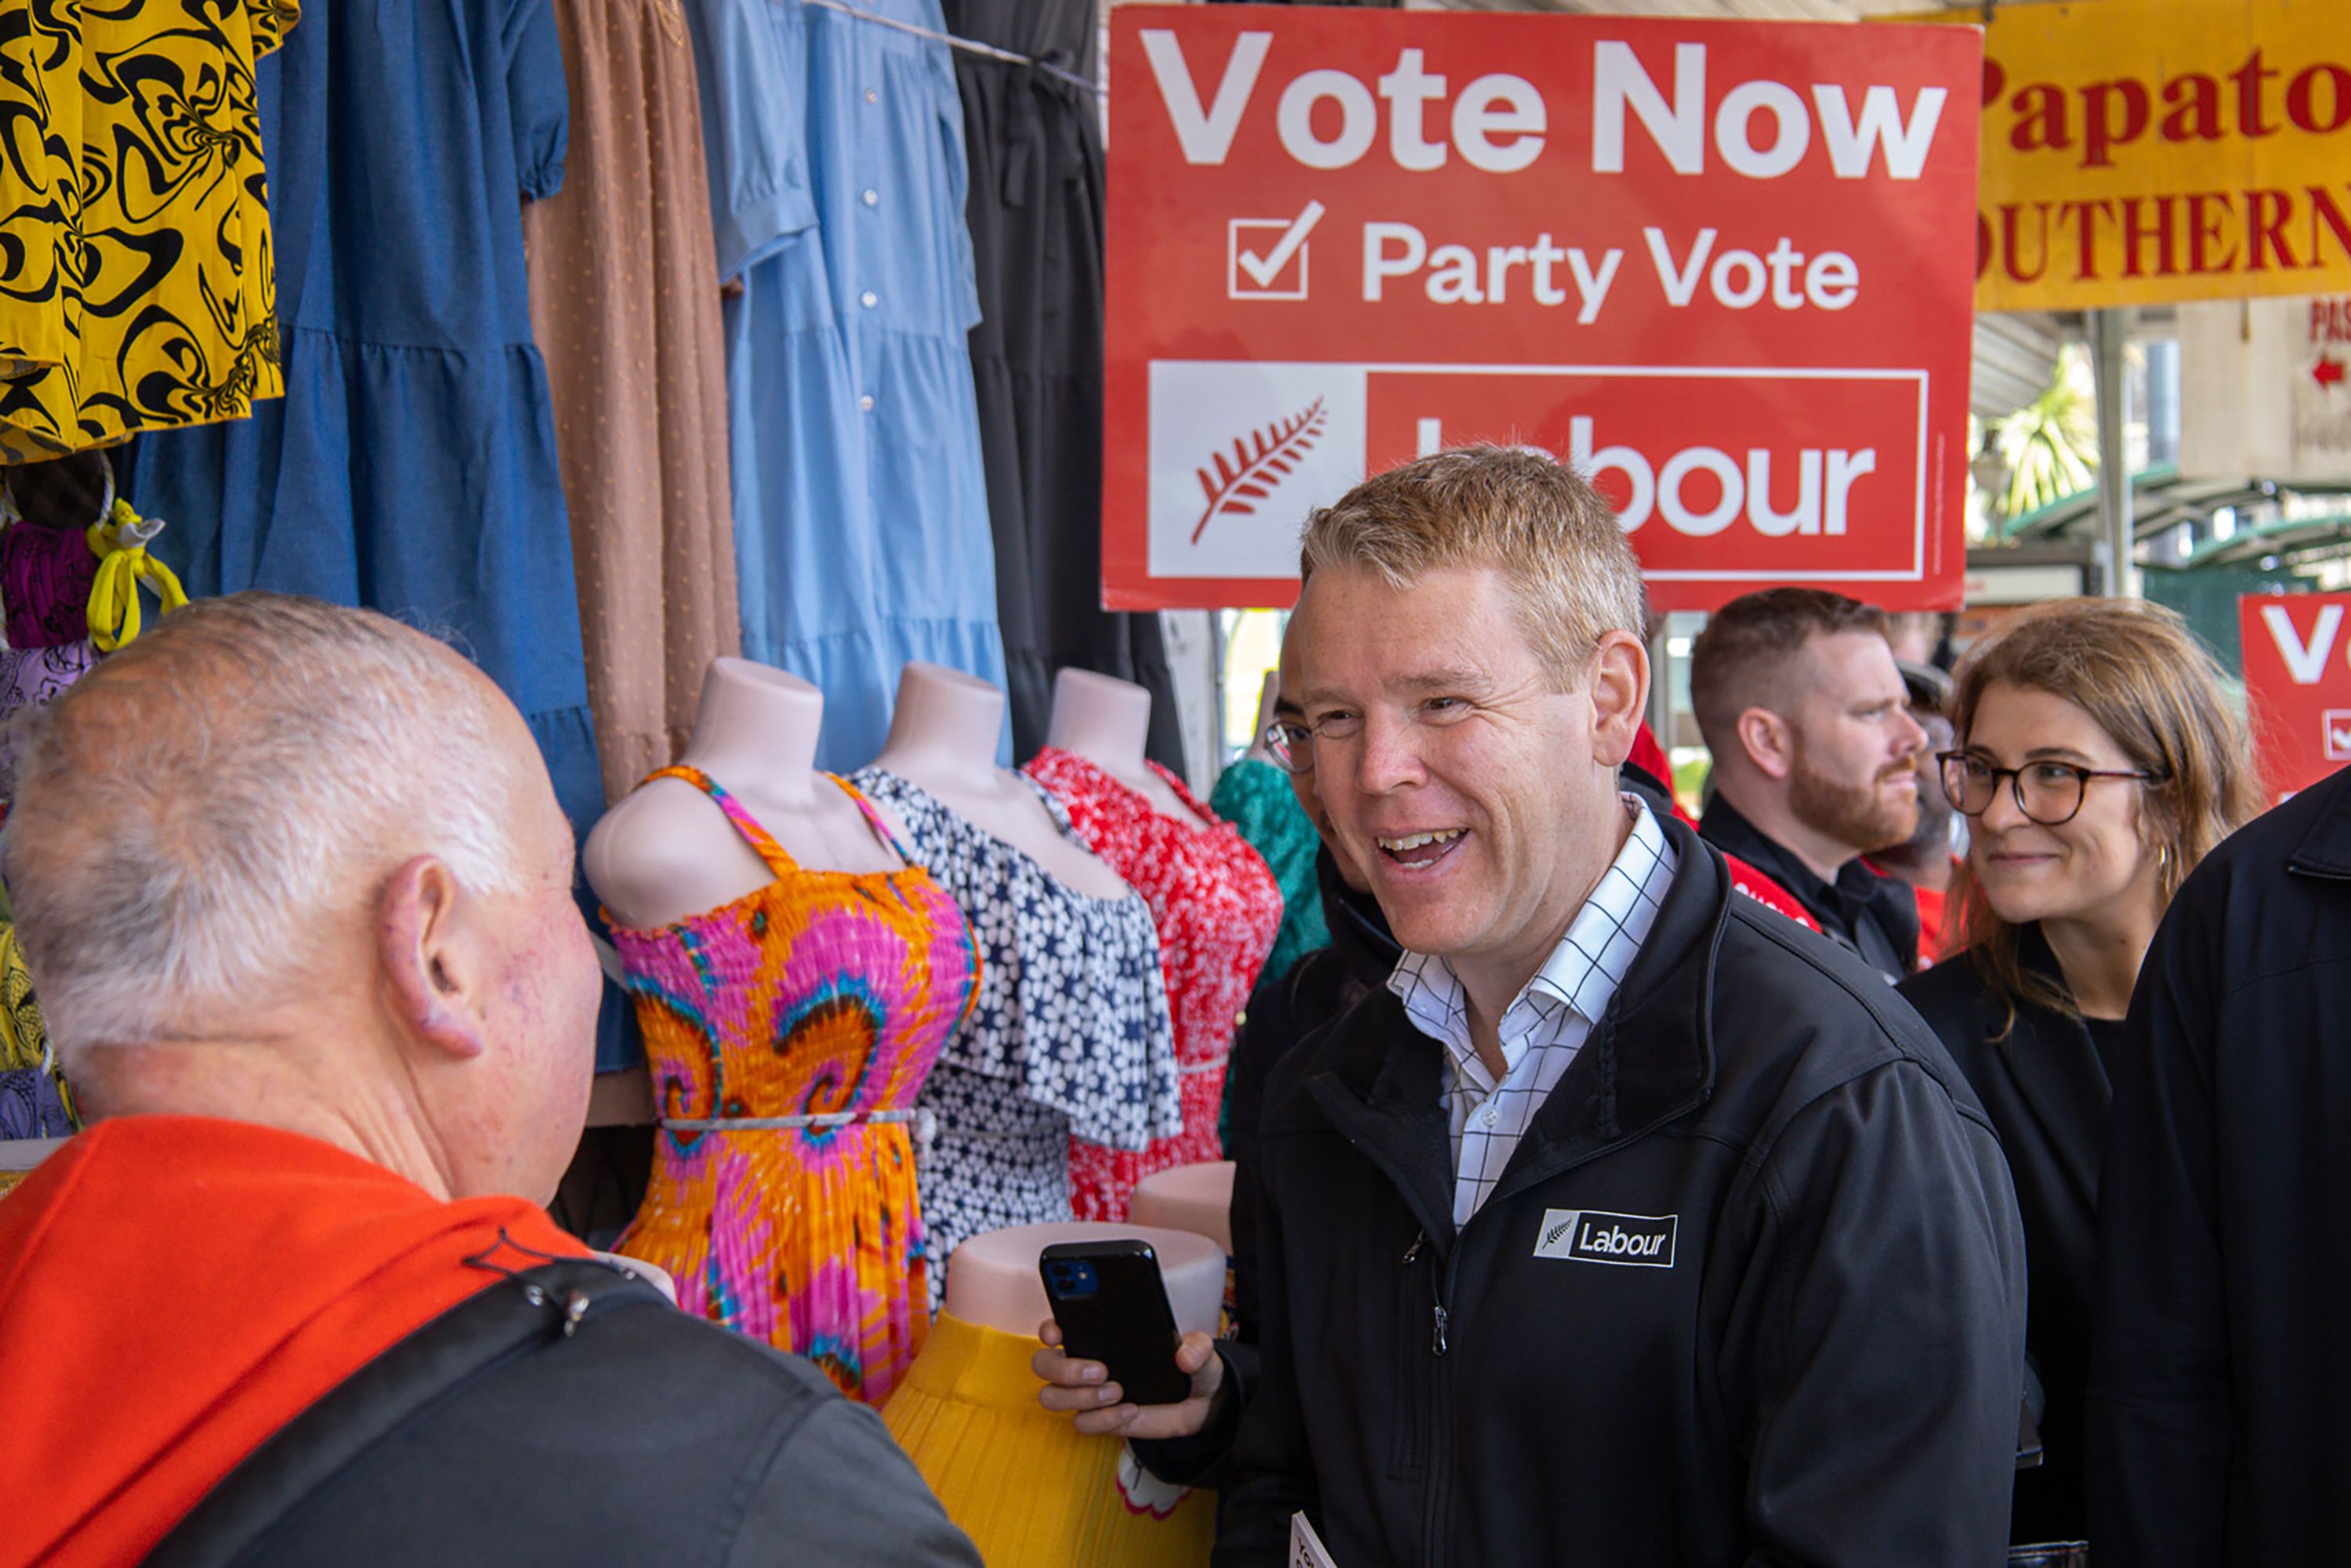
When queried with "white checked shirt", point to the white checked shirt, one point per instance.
{"points": [[1549, 1019]]}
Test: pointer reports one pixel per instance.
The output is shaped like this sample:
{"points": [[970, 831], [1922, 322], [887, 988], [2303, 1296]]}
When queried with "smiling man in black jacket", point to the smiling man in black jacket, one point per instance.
{"points": [[1631, 1222]]}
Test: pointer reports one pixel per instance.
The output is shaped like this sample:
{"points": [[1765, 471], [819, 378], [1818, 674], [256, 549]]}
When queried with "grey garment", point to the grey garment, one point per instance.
{"points": [[635, 1435]]}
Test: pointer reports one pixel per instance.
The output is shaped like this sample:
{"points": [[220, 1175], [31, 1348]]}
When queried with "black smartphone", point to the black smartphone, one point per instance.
{"points": [[1113, 1308]]}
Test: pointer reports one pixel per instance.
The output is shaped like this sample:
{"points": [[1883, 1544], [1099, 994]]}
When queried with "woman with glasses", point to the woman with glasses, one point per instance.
{"points": [[2096, 761]]}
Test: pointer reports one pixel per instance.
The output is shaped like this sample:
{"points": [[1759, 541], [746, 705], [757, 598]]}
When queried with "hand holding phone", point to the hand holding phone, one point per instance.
{"points": [[1084, 1391], [1112, 1306]]}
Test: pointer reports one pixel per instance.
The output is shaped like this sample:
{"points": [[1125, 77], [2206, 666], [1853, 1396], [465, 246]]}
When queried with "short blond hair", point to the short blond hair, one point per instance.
{"points": [[1518, 512]]}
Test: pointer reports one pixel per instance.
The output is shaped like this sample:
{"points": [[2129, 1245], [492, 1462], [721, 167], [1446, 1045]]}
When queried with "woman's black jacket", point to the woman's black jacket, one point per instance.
{"points": [[2045, 1089]]}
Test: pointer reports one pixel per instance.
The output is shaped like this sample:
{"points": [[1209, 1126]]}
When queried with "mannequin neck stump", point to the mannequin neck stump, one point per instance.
{"points": [[667, 851], [1196, 1197], [942, 737], [945, 723], [755, 722], [1105, 721], [1108, 723]]}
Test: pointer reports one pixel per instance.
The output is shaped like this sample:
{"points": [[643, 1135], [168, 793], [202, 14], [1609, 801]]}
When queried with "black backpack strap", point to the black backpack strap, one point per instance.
{"points": [[529, 1311]]}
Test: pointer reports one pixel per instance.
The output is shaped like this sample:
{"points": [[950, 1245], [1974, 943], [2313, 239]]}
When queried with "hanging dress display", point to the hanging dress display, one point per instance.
{"points": [[1036, 218], [625, 303], [411, 466], [1023, 1481], [837, 182], [45, 578], [46, 574], [135, 259], [1254, 796], [1070, 1034], [821, 994], [1216, 909]]}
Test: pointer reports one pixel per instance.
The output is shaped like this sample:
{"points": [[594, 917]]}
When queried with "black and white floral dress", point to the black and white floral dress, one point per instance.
{"points": [[1069, 1034]]}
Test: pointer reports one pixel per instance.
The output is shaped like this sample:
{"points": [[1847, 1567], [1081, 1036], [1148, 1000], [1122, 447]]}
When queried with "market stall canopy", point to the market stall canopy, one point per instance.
{"points": [[2228, 521]]}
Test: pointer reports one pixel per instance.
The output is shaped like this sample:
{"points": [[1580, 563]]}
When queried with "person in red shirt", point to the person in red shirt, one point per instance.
{"points": [[1925, 860]]}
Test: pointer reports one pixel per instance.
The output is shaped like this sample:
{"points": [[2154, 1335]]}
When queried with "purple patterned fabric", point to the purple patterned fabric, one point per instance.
{"points": [[29, 1106], [45, 575], [28, 678]]}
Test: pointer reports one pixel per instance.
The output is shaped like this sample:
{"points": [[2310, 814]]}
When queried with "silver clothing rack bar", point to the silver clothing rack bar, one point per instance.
{"points": [[926, 1124], [786, 1124], [968, 45]]}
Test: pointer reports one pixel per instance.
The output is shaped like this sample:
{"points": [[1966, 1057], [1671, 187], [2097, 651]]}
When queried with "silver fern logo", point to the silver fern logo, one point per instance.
{"points": [[1259, 462], [1240, 454]]}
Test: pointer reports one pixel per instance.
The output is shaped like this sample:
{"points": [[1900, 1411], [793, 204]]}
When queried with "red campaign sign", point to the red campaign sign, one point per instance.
{"points": [[1725, 267], [2297, 659]]}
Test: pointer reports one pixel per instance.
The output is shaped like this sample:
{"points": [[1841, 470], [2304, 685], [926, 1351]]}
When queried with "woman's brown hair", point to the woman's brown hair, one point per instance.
{"points": [[2138, 670]]}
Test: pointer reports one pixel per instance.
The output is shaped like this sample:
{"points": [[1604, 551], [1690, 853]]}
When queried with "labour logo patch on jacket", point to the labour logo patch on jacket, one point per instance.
{"points": [[1588, 1236]]}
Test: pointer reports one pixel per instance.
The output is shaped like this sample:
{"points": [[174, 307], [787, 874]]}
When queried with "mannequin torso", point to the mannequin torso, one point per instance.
{"points": [[943, 741], [1107, 722], [666, 851]]}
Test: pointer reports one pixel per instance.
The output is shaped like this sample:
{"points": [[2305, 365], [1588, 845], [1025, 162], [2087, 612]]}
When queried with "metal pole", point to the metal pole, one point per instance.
{"points": [[2107, 328], [1217, 632], [1661, 690]]}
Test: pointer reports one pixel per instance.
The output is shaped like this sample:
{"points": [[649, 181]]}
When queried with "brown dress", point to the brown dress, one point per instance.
{"points": [[624, 304]]}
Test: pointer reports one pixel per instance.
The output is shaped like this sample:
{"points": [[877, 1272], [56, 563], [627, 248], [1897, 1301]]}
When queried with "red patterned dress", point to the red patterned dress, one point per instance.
{"points": [[1217, 909]]}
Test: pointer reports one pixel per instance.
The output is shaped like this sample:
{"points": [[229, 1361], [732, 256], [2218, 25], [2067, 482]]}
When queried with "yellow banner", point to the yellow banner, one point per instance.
{"points": [[2138, 152]]}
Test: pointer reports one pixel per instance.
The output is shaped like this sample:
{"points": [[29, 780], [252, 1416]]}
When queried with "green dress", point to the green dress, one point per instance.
{"points": [[1255, 796]]}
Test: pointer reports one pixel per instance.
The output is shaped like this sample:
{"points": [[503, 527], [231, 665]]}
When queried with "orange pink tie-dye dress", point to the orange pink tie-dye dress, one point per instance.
{"points": [[822, 992]]}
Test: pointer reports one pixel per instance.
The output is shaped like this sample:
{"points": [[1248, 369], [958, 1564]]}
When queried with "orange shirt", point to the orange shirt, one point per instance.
{"points": [[175, 1289]]}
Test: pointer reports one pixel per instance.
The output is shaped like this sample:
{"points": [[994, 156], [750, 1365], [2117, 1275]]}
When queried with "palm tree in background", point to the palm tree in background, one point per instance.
{"points": [[2051, 445]]}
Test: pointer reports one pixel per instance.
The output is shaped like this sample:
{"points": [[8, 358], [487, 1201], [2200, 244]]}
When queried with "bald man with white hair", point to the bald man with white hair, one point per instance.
{"points": [[295, 893]]}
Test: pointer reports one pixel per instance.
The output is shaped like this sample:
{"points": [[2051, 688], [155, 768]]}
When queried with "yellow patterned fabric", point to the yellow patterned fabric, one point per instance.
{"points": [[1029, 1491], [137, 288], [23, 1036], [123, 563]]}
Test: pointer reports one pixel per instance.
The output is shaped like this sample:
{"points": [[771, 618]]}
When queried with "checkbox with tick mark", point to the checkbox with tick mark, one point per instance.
{"points": [[2337, 724], [1265, 259]]}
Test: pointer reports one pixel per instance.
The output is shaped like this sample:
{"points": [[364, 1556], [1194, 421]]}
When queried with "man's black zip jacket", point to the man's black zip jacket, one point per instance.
{"points": [[1862, 912], [1751, 1290]]}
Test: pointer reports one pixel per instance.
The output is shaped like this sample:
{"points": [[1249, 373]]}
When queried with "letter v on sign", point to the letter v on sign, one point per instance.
{"points": [[1206, 135], [2305, 661]]}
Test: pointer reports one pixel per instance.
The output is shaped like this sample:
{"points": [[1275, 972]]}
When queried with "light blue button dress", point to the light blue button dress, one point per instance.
{"points": [[837, 179]]}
